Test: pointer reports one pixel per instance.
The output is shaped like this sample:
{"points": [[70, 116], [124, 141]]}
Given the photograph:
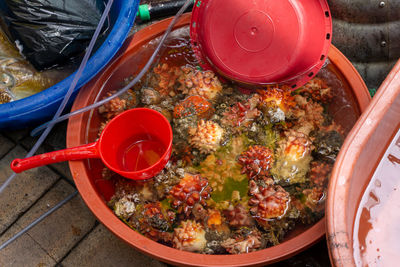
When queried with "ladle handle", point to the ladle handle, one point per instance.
{"points": [[73, 153]]}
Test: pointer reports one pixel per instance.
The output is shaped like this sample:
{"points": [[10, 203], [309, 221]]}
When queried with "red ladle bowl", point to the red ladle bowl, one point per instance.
{"points": [[136, 144]]}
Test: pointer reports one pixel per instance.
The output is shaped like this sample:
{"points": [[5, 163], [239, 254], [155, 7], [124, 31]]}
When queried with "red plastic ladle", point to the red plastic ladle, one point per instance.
{"points": [[122, 135]]}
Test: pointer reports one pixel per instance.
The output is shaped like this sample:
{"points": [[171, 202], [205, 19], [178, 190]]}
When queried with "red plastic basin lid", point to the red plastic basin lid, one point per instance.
{"points": [[262, 41]]}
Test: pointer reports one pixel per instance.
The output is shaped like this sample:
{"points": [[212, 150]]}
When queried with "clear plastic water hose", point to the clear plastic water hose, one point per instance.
{"points": [[38, 220], [49, 125], [129, 85], [74, 82]]}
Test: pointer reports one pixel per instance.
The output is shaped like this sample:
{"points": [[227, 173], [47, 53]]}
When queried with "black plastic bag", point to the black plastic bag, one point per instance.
{"points": [[50, 32]]}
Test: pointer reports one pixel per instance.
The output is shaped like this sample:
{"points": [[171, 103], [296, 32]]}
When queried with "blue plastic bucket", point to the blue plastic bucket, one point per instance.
{"points": [[42, 106]]}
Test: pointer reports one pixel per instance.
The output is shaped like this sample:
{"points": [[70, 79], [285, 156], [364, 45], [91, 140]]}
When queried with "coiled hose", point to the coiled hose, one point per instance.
{"points": [[129, 85], [71, 88]]}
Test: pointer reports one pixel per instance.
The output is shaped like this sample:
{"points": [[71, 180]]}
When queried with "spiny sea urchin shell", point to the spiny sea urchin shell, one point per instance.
{"points": [[189, 236], [292, 158], [267, 203], [277, 98], [191, 189], [214, 218], [153, 223], [296, 145], [155, 217], [165, 78], [202, 83], [150, 96], [317, 89], [241, 244], [238, 216], [256, 161], [215, 222], [193, 105], [242, 115], [125, 206], [206, 136], [314, 113]]}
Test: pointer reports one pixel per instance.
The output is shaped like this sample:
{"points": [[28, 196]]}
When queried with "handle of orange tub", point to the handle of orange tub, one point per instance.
{"points": [[73, 153]]}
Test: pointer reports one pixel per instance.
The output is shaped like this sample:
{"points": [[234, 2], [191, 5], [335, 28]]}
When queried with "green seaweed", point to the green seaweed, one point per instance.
{"points": [[223, 172], [264, 135], [271, 137], [229, 186], [166, 204]]}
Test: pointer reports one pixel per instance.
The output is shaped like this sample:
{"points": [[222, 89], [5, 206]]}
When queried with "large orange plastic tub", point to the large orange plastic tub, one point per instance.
{"points": [[356, 164], [87, 174]]}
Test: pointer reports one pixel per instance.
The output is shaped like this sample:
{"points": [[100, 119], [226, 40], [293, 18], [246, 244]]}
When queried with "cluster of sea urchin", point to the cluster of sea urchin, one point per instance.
{"points": [[296, 146], [249, 150], [243, 244], [242, 115], [317, 89], [267, 203], [112, 108], [193, 105], [256, 161], [277, 98], [238, 216], [191, 189], [189, 236], [201, 83], [165, 78], [206, 136]]}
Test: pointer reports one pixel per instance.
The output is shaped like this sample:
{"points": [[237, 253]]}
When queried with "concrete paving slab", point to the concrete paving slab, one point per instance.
{"points": [[17, 135], [57, 138], [25, 189], [23, 252], [28, 142], [102, 248], [64, 228], [63, 169], [5, 145]]}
